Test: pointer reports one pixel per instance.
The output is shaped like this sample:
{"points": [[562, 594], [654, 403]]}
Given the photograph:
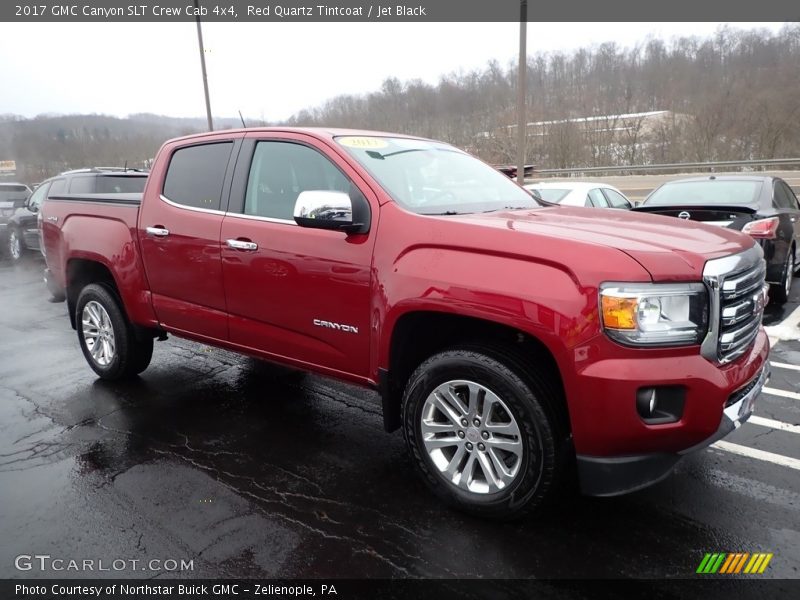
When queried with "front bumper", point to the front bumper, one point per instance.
{"points": [[611, 476]]}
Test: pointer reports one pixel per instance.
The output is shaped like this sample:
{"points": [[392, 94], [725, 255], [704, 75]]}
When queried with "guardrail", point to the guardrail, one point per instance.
{"points": [[725, 164]]}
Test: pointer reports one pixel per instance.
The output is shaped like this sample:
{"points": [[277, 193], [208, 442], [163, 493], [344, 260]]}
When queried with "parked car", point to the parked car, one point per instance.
{"points": [[508, 339], [12, 196], [23, 230], [764, 207], [579, 193]]}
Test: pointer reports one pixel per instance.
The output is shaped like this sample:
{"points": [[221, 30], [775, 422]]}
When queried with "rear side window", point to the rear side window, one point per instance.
{"points": [[596, 198], [196, 173], [82, 185], [58, 186], [119, 184], [784, 197], [615, 199]]}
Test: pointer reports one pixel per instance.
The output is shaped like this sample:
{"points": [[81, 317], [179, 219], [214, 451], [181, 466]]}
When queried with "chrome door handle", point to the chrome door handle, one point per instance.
{"points": [[53, 219], [157, 231], [241, 245]]}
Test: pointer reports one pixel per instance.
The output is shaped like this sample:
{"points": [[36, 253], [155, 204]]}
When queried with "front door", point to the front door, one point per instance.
{"points": [[293, 291]]}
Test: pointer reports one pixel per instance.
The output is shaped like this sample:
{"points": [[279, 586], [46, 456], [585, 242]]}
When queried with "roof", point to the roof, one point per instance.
{"points": [[568, 185], [318, 132], [724, 177]]}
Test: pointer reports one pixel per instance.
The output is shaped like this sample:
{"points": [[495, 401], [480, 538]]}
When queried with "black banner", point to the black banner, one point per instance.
{"points": [[380, 589], [387, 11]]}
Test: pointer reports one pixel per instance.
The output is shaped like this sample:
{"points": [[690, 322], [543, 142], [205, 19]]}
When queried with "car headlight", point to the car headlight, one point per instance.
{"points": [[654, 314]]}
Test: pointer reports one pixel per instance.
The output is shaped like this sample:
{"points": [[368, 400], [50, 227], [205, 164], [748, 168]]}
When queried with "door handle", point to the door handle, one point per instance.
{"points": [[53, 219], [242, 245], [157, 231]]}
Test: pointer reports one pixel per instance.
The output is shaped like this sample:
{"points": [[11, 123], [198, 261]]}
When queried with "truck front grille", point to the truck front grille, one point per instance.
{"points": [[737, 293]]}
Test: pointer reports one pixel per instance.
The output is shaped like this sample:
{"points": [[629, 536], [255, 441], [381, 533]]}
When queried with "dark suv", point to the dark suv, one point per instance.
{"points": [[23, 231]]}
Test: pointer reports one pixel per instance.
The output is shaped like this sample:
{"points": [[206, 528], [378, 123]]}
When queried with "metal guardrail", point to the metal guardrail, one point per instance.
{"points": [[673, 166]]}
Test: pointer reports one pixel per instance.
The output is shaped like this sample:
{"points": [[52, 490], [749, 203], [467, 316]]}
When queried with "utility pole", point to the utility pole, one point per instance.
{"points": [[203, 66], [522, 128]]}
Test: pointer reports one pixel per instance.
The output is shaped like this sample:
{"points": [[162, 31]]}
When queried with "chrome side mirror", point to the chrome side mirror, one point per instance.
{"points": [[322, 209]]}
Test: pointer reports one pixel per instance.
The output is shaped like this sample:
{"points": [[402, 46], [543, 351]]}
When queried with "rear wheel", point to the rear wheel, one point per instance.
{"points": [[16, 249], [107, 339], [480, 433], [781, 291]]}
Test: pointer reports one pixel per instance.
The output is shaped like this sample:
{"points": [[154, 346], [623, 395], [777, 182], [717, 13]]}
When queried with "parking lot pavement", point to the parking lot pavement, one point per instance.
{"points": [[250, 471]]}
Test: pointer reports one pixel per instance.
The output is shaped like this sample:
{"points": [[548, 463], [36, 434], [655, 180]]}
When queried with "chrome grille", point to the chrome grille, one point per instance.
{"points": [[738, 295]]}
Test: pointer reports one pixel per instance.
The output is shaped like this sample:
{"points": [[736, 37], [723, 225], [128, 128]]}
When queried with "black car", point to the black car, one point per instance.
{"points": [[23, 231], [764, 207], [12, 197]]}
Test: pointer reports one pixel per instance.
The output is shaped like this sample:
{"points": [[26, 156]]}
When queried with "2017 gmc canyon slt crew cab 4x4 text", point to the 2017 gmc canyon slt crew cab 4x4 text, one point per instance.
{"points": [[508, 338]]}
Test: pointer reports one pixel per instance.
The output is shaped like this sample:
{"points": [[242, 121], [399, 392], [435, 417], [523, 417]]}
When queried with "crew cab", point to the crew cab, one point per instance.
{"points": [[509, 339]]}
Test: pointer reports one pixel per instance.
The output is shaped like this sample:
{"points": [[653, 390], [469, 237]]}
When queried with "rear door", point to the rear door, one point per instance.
{"points": [[296, 292], [179, 227]]}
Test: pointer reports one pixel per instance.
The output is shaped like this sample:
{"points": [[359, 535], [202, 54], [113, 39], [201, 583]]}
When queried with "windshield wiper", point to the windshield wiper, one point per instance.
{"points": [[445, 213], [509, 208]]}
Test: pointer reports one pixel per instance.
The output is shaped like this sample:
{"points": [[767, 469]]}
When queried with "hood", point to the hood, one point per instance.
{"points": [[670, 249]]}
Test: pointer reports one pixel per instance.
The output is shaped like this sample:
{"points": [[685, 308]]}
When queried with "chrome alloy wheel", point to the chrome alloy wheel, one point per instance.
{"points": [[14, 245], [98, 333], [789, 273], [471, 437]]}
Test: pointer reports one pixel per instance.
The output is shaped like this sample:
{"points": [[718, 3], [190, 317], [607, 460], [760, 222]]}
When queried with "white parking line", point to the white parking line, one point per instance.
{"points": [[786, 330], [772, 424], [781, 393], [785, 366], [778, 459]]}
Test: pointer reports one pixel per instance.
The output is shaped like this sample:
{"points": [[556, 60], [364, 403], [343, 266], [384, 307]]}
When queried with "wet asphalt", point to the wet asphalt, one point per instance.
{"points": [[252, 471]]}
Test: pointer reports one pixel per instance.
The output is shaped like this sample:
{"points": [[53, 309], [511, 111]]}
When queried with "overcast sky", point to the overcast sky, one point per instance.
{"points": [[267, 70]]}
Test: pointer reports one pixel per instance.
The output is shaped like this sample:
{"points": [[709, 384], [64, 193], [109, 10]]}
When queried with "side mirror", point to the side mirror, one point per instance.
{"points": [[322, 209]]}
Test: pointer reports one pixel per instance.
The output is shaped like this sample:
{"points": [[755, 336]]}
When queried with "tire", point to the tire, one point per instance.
{"points": [[516, 428], [106, 337], [15, 246], [781, 291]]}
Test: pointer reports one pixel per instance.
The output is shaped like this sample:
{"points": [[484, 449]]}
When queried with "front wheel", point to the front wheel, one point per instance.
{"points": [[479, 432], [107, 339]]}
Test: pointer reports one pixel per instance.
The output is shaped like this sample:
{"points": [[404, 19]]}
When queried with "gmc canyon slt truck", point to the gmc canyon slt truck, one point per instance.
{"points": [[512, 340]]}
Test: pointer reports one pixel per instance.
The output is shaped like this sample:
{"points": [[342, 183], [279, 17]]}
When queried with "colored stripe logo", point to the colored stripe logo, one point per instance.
{"points": [[734, 563]]}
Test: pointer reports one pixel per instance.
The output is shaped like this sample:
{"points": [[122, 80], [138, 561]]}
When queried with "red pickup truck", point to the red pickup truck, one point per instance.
{"points": [[509, 339]]}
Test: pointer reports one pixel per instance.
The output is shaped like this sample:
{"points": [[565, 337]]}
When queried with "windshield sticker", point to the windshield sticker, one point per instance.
{"points": [[362, 142]]}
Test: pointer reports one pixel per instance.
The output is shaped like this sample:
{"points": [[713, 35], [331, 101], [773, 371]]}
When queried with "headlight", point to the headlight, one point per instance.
{"points": [[654, 314]]}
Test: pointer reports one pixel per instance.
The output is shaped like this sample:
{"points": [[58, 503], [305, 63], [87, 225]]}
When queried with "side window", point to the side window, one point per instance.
{"points": [[82, 185], [39, 195], [779, 197], [196, 173], [59, 186], [615, 199], [280, 171], [597, 198], [790, 195]]}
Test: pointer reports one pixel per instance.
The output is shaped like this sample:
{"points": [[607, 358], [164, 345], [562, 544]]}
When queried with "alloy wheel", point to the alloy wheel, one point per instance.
{"points": [[472, 437], [98, 333]]}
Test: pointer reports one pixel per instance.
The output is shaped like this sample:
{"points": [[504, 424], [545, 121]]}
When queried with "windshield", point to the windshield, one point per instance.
{"points": [[433, 178], [551, 195], [712, 191], [116, 184]]}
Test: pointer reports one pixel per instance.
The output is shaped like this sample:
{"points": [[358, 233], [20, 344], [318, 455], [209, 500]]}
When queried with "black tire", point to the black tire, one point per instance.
{"points": [[132, 355], [15, 245], [780, 292], [526, 394]]}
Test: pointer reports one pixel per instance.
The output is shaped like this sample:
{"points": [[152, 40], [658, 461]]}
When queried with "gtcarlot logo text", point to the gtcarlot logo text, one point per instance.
{"points": [[45, 562]]}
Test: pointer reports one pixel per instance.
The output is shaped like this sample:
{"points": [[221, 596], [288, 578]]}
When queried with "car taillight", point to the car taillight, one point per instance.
{"points": [[762, 229]]}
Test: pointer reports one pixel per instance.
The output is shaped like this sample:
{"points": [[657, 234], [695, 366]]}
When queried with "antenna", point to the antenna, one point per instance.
{"points": [[242, 118], [126, 166]]}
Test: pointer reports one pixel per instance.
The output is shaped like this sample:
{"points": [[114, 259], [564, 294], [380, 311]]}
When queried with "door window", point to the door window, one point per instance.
{"points": [[788, 193], [35, 201], [597, 199], [280, 171], [196, 174], [615, 199]]}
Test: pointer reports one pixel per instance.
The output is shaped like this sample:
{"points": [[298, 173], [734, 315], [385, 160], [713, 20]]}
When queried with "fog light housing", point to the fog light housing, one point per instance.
{"points": [[660, 404]]}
